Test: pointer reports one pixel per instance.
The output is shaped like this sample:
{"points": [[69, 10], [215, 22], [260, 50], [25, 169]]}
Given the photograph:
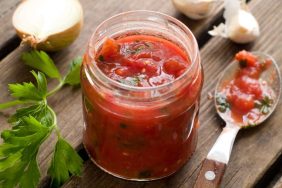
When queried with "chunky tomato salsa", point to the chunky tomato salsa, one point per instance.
{"points": [[246, 98], [148, 140], [142, 60]]}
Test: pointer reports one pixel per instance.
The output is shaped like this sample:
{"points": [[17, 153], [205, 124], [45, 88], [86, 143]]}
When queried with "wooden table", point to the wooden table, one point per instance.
{"points": [[256, 159]]}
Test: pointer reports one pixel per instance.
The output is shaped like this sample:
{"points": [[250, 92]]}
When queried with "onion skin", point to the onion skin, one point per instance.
{"points": [[54, 42]]}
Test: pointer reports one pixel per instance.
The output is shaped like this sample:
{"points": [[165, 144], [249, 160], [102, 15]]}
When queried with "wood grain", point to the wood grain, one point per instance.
{"points": [[8, 35], [6, 12], [67, 103], [255, 149]]}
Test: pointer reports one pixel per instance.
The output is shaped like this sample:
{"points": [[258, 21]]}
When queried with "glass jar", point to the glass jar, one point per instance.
{"points": [[141, 133]]}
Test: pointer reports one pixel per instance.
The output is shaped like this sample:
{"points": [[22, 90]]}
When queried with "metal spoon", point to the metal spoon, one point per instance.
{"points": [[214, 165]]}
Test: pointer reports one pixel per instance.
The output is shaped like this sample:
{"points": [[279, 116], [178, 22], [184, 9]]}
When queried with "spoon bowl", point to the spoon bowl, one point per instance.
{"points": [[214, 165], [271, 76]]}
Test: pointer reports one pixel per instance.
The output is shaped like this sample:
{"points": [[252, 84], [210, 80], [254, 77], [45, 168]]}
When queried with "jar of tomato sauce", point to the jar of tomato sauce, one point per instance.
{"points": [[141, 82]]}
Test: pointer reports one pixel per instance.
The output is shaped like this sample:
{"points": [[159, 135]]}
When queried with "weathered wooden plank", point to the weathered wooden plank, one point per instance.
{"points": [[6, 12], [6, 29], [255, 149], [67, 103]]}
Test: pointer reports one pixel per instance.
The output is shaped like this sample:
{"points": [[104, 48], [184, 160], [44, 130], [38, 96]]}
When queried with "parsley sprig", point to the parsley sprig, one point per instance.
{"points": [[264, 105], [222, 104], [33, 123]]}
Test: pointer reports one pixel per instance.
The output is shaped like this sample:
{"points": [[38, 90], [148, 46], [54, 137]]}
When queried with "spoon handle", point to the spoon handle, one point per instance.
{"points": [[210, 174], [214, 165]]}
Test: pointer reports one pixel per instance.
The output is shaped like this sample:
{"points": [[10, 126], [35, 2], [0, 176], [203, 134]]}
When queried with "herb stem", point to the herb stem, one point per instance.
{"points": [[58, 131], [59, 86], [11, 103], [55, 122]]}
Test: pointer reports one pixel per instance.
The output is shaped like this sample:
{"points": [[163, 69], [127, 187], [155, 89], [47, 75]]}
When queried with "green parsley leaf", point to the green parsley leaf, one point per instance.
{"points": [[40, 111], [28, 91], [10, 175], [222, 104], [101, 58], [18, 154], [264, 105], [32, 124], [41, 82], [41, 61], [25, 91], [132, 81], [73, 76], [65, 161], [27, 133], [31, 176]]}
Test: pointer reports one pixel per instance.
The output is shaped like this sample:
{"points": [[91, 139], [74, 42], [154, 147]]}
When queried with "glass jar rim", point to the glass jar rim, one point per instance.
{"points": [[144, 89]]}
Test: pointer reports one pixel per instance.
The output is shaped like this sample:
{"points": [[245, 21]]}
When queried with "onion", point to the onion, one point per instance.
{"points": [[49, 25], [195, 9]]}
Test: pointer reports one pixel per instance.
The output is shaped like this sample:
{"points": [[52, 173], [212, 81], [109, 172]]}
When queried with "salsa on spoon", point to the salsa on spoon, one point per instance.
{"points": [[246, 94]]}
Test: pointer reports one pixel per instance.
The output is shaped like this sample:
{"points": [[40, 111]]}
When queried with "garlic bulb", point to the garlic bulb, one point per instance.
{"points": [[240, 25], [195, 9], [48, 25]]}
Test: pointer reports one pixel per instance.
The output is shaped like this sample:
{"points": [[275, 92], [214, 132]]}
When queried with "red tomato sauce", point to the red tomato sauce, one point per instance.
{"points": [[134, 142], [246, 98], [142, 60]]}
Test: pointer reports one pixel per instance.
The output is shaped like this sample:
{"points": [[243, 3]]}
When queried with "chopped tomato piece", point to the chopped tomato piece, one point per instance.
{"points": [[246, 58], [158, 60], [122, 71], [109, 51], [266, 64], [179, 73], [151, 68], [144, 55], [156, 57], [126, 62], [249, 85], [241, 102], [173, 67], [244, 104], [252, 72]]}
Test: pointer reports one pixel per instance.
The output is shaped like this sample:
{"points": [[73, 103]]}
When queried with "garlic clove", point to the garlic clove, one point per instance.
{"points": [[240, 25], [219, 30], [49, 25], [195, 9], [244, 28]]}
